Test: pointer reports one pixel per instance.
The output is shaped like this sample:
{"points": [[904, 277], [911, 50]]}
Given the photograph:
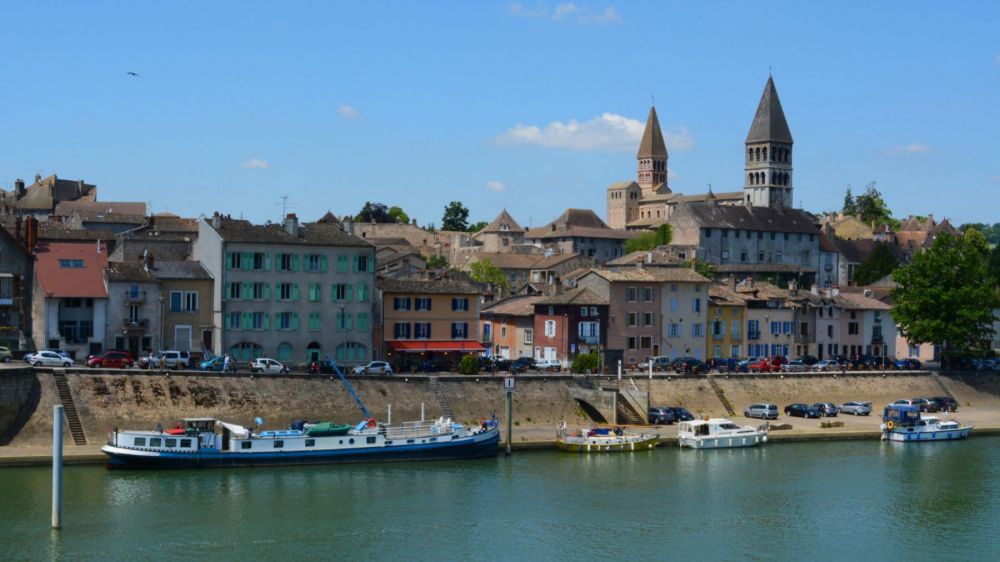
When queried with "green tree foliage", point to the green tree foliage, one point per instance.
{"points": [[456, 217], [975, 239], [946, 297], [850, 208], [649, 240], [376, 212], [477, 226], [871, 208], [436, 262], [469, 365], [399, 215], [703, 268], [483, 271], [585, 363], [993, 265], [991, 232], [880, 263]]}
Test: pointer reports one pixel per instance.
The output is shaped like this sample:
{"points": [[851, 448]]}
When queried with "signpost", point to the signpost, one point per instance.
{"points": [[508, 386]]}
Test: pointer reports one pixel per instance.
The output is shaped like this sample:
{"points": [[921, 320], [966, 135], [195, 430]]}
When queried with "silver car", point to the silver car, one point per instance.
{"points": [[374, 368], [795, 367], [826, 365], [48, 359], [857, 408], [266, 365], [762, 410]]}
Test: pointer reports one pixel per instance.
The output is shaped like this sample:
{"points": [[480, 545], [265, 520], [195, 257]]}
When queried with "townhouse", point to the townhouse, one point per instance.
{"points": [[134, 308], [726, 318], [70, 297], [570, 323], [508, 326]]}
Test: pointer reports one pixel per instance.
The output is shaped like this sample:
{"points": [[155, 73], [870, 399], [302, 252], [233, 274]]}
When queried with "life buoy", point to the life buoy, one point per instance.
{"points": [[372, 422], [889, 425]]}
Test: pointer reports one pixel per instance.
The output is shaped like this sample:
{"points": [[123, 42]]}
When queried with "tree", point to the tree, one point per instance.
{"points": [[878, 264], [436, 262], [870, 207], [850, 208], [483, 271], [469, 365], [456, 217], [649, 240], [946, 297], [993, 265], [992, 233], [586, 363], [399, 215], [703, 268], [477, 226], [374, 212]]}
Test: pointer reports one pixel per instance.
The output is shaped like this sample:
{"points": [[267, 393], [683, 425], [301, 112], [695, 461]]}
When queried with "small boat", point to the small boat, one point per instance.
{"points": [[603, 440], [901, 422], [719, 433], [326, 429]]}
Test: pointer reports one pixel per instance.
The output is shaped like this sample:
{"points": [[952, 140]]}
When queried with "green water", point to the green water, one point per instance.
{"points": [[860, 500]]}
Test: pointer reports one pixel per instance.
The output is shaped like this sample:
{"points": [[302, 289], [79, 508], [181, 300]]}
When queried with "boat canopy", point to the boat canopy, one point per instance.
{"points": [[237, 430], [901, 414]]}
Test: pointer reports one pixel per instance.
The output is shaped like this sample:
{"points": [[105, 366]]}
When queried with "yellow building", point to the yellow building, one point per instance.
{"points": [[726, 334]]}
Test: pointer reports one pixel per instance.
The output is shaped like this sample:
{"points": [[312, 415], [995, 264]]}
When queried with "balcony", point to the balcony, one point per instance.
{"points": [[135, 296], [135, 325], [589, 340]]}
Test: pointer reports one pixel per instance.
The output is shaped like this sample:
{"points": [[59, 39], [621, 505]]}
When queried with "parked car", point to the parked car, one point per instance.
{"points": [[800, 410], [524, 364], [826, 365], [796, 366], [809, 360], [681, 414], [374, 368], [945, 403], [432, 367], [725, 365], [926, 405], [857, 408], [5, 355], [908, 402], [828, 409], [760, 366], [777, 361], [660, 363], [268, 366], [112, 360], [688, 365], [549, 365], [166, 359], [48, 359], [910, 364], [217, 363], [762, 410], [60, 352], [881, 363], [745, 364], [661, 416]]}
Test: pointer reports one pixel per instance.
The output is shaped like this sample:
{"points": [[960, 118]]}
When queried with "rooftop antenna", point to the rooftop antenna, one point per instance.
{"points": [[284, 206]]}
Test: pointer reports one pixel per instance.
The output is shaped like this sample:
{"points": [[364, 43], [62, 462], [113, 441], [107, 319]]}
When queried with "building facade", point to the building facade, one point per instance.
{"points": [[508, 327], [726, 320], [186, 288], [70, 297], [573, 322], [134, 308]]}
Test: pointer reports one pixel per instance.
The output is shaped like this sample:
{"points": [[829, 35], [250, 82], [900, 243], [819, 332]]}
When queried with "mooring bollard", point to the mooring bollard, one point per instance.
{"points": [[57, 450]]}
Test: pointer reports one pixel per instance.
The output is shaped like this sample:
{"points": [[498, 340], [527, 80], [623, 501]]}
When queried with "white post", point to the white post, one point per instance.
{"points": [[421, 411], [57, 450], [619, 369], [389, 420], [650, 369]]}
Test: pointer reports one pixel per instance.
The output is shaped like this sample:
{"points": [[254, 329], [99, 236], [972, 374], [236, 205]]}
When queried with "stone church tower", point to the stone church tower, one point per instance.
{"points": [[768, 168], [652, 158]]}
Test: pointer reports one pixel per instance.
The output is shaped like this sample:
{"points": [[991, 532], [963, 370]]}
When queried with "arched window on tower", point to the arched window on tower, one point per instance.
{"points": [[757, 152], [765, 154], [749, 154]]}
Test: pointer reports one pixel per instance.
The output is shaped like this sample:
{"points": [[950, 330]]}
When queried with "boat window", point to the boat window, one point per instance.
{"points": [[279, 444], [729, 426], [154, 441], [171, 443], [341, 441], [371, 439], [388, 442], [701, 430], [140, 442], [246, 444], [350, 441], [185, 443], [410, 441], [434, 438], [310, 442]]}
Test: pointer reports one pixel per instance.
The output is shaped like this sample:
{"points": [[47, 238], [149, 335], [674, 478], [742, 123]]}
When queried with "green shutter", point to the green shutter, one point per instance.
{"points": [[267, 262], [349, 294], [362, 292], [267, 291], [246, 290], [295, 262], [225, 322], [229, 260], [349, 321], [247, 260], [322, 264], [267, 321], [295, 291], [295, 320], [355, 266], [247, 320], [229, 291]]}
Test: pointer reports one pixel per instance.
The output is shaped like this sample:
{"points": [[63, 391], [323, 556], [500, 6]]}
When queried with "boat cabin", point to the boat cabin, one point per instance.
{"points": [[901, 415], [704, 428]]}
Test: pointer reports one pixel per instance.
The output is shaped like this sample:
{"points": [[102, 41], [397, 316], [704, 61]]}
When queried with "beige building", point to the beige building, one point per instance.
{"points": [[186, 289]]}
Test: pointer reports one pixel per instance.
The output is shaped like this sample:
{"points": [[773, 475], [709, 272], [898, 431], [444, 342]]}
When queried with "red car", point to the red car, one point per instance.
{"points": [[760, 366], [111, 360]]}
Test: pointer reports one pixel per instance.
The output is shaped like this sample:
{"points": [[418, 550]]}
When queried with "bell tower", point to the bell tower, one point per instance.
{"points": [[652, 158], [767, 180]]}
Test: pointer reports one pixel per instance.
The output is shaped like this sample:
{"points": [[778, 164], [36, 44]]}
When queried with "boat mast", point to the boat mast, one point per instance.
{"points": [[354, 395]]}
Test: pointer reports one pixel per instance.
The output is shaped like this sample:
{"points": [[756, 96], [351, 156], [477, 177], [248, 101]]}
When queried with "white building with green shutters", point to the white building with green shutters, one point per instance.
{"points": [[293, 292]]}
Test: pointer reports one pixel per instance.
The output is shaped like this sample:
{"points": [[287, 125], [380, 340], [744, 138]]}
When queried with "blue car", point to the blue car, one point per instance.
{"points": [[216, 364], [908, 364]]}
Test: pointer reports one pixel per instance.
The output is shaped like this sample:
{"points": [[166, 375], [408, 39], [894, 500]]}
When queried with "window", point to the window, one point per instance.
{"points": [[717, 350], [697, 330], [674, 304], [234, 291], [288, 291], [673, 330], [589, 329], [246, 444], [648, 294], [630, 294], [287, 262], [260, 291], [314, 292], [805, 328], [155, 442], [315, 262], [401, 330], [342, 292], [550, 328], [341, 264], [631, 342], [361, 264], [283, 320], [362, 292], [310, 442], [633, 319], [775, 328], [363, 321], [234, 260], [645, 342], [422, 303], [279, 444], [734, 329], [529, 335], [233, 321], [460, 304], [344, 320], [584, 310], [314, 322], [852, 328], [673, 287], [829, 332], [718, 329], [805, 257], [743, 256], [593, 311], [398, 303], [71, 264], [139, 442], [696, 305], [734, 351], [648, 319], [459, 330], [422, 330], [753, 329]]}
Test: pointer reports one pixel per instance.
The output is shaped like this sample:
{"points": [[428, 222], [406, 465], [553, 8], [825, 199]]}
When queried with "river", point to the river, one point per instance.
{"points": [[861, 500]]}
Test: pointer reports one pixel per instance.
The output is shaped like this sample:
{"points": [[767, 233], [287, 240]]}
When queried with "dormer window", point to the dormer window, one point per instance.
{"points": [[504, 226]]}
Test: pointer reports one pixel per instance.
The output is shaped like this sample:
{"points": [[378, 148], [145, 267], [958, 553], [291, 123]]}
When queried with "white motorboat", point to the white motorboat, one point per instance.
{"points": [[905, 424], [719, 433]]}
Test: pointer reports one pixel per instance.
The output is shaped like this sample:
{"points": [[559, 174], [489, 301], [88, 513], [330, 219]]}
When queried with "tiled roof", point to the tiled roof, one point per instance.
{"points": [[580, 296], [721, 294], [651, 275], [741, 217], [176, 269], [505, 260], [769, 123], [81, 282], [129, 271], [855, 301], [429, 286], [655, 257], [763, 268], [502, 219], [66, 208], [514, 306], [621, 185], [554, 260], [652, 145], [310, 234], [580, 231]]}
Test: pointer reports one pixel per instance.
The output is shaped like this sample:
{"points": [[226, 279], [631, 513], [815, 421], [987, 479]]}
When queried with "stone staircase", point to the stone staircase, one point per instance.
{"points": [[627, 413], [721, 395], [441, 397], [69, 407], [944, 387]]}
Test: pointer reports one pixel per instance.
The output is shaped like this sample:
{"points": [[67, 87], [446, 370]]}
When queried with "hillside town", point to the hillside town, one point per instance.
{"points": [[724, 278]]}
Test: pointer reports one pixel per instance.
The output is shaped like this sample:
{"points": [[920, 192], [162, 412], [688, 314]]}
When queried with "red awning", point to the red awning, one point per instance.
{"points": [[465, 346]]}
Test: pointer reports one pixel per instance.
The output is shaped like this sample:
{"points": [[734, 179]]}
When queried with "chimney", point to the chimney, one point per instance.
{"points": [[793, 287], [98, 246], [79, 187], [292, 224], [38, 178], [216, 220], [348, 224], [749, 281], [19, 188], [413, 222], [649, 257], [17, 229], [732, 282], [814, 289], [868, 293]]}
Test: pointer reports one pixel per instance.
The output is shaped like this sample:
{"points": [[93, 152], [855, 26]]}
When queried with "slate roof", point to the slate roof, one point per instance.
{"points": [[652, 145], [125, 272], [429, 286], [310, 234], [503, 218], [579, 296], [742, 217], [44, 193], [66, 208], [651, 275], [514, 306], [61, 282], [505, 260], [857, 251], [769, 123], [176, 269]]}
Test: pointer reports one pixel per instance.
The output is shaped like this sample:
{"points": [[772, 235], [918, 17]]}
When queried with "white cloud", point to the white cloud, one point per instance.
{"points": [[496, 186], [609, 131], [348, 112], [256, 164], [567, 12], [912, 148]]}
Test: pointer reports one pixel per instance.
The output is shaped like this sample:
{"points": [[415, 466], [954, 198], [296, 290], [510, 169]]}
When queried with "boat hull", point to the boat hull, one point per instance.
{"points": [[598, 447], [724, 442], [475, 446], [918, 436]]}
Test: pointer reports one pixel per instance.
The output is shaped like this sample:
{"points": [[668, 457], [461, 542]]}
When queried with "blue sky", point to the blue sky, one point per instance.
{"points": [[532, 106]]}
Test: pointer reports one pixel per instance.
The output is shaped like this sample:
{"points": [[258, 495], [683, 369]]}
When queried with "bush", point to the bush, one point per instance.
{"points": [[469, 365], [586, 363]]}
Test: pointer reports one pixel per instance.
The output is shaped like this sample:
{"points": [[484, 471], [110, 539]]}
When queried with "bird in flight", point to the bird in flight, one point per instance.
{"points": [[132, 74]]}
